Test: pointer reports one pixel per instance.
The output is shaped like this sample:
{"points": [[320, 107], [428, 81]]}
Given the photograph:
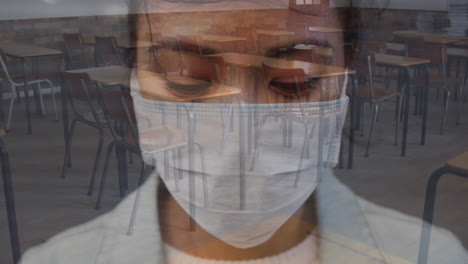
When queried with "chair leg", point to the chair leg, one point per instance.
{"points": [[361, 118], [131, 225], [174, 167], [225, 129], [428, 214], [204, 178], [446, 105], [67, 158], [130, 157], [41, 99], [257, 143], [54, 101], [397, 114], [460, 100], [104, 175], [10, 203], [304, 146], [10, 112], [374, 119], [96, 162]]}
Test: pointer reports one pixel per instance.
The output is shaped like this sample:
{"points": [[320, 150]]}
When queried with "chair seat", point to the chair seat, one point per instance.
{"points": [[162, 138], [30, 78], [100, 114], [459, 163], [363, 92]]}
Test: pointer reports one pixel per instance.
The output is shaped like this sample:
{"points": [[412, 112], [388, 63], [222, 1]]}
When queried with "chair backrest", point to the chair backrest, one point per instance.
{"points": [[74, 50], [418, 48], [107, 52], [302, 55], [4, 73], [366, 49], [207, 68], [118, 107], [364, 62], [192, 43], [248, 33], [219, 29], [81, 91]]}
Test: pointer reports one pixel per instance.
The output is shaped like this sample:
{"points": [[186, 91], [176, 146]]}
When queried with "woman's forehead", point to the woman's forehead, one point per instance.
{"points": [[157, 6]]}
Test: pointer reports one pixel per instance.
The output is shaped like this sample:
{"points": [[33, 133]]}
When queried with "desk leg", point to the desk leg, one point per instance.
{"points": [[191, 173], [10, 203], [352, 124], [66, 122], [37, 100], [242, 153], [425, 103], [406, 86], [462, 91], [121, 155], [26, 96], [446, 90]]}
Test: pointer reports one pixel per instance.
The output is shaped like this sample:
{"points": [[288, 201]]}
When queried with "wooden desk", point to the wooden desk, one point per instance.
{"points": [[325, 29], [125, 43], [162, 93], [404, 63], [151, 85], [274, 33], [313, 70], [114, 75], [441, 40], [399, 61], [219, 40], [23, 52], [414, 33], [27, 51]]}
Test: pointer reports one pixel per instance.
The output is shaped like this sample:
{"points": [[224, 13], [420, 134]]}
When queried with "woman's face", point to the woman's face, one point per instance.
{"points": [[257, 156]]}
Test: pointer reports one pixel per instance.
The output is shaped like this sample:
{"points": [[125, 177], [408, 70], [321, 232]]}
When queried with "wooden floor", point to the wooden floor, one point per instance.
{"points": [[47, 204]]}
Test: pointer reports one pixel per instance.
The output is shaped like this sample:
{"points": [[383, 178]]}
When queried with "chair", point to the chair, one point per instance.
{"points": [[457, 166], [9, 200], [107, 52], [365, 65], [206, 68], [18, 81], [192, 43], [74, 51], [211, 69], [286, 86], [437, 54], [219, 29], [82, 96], [118, 108], [248, 33]]}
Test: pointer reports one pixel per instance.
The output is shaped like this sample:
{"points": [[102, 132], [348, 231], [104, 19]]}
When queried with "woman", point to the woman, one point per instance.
{"points": [[242, 196]]}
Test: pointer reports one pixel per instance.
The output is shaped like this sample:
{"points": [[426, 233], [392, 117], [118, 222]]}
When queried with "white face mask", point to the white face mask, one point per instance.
{"points": [[235, 197]]}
